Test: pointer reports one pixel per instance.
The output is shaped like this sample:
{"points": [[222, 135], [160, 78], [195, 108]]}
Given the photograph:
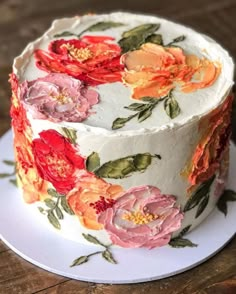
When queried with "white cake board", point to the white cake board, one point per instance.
{"points": [[48, 250]]}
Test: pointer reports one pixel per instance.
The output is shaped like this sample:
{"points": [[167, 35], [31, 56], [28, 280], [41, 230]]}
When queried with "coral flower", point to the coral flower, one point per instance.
{"points": [[154, 70], [90, 197], [93, 59]]}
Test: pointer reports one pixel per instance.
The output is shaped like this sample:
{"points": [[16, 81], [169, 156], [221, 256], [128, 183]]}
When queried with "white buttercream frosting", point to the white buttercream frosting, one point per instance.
{"points": [[114, 96]]}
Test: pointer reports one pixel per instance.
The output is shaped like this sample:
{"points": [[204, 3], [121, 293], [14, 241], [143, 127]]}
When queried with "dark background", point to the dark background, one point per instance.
{"points": [[22, 21]]}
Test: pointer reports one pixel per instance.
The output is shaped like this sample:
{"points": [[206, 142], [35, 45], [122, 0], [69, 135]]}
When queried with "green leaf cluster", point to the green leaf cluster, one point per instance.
{"points": [[56, 205], [200, 198], [106, 254]]}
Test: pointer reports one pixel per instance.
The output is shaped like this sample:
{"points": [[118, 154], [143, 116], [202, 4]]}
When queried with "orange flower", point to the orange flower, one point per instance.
{"points": [[91, 196], [215, 140], [154, 70], [33, 186]]}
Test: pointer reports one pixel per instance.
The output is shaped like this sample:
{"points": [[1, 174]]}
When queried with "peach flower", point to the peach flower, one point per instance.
{"points": [[90, 197], [154, 70]]}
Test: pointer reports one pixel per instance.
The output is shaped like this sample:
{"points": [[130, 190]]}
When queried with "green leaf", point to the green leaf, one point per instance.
{"points": [[9, 162], [64, 34], [155, 39], [116, 169], [142, 161], [144, 114], [103, 25], [71, 134], [92, 239], [222, 206], [5, 175], [120, 122], [53, 193], [130, 43], [181, 243], [228, 195], [59, 213], [136, 106], [92, 162], [66, 206], [171, 107], [80, 260], [149, 99], [200, 193], [41, 210], [53, 220], [202, 205], [108, 256], [184, 231], [120, 168], [50, 203], [13, 182], [179, 39], [135, 37], [142, 29]]}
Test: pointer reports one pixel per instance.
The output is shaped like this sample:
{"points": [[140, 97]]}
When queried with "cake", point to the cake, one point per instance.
{"points": [[121, 128]]}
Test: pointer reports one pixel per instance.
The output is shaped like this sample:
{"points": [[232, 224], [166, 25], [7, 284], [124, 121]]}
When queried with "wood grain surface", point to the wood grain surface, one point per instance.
{"points": [[21, 21]]}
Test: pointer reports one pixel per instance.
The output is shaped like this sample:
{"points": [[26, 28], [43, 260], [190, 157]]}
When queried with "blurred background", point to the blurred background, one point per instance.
{"points": [[21, 21]]}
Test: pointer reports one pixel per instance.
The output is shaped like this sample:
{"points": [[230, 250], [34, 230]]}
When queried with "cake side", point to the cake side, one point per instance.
{"points": [[135, 187]]}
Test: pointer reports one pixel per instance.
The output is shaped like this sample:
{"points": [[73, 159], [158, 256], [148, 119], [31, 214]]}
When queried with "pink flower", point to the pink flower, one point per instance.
{"points": [[58, 97], [142, 217]]}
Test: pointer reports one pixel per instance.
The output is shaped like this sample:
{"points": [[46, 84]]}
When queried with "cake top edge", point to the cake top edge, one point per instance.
{"points": [[204, 47]]}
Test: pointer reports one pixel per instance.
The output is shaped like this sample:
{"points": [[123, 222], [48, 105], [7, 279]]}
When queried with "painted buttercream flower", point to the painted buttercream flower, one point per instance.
{"points": [[58, 97], [93, 59], [142, 217], [215, 140], [90, 197], [35, 188], [154, 70], [57, 160]]}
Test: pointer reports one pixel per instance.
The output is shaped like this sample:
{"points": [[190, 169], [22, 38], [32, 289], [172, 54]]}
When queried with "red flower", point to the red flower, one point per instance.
{"points": [[57, 160], [93, 59]]}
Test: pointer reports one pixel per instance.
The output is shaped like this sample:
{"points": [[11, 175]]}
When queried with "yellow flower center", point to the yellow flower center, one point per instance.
{"points": [[80, 54], [140, 218], [59, 166], [61, 98]]}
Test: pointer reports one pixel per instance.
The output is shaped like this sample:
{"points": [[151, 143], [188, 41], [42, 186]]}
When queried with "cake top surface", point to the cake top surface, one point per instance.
{"points": [[122, 72]]}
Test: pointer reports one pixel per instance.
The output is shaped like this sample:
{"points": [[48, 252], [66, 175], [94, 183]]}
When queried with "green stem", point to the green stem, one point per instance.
{"points": [[95, 253], [56, 205]]}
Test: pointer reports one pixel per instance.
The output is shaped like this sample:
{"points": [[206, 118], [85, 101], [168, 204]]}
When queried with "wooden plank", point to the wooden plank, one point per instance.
{"points": [[20, 277], [3, 247]]}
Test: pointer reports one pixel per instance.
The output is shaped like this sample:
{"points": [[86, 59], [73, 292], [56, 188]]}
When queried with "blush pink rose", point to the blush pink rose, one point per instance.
{"points": [[142, 217], [58, 97]]}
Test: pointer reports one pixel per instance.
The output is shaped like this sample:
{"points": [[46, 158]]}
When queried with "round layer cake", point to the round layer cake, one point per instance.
{"points": [[121, 128]]}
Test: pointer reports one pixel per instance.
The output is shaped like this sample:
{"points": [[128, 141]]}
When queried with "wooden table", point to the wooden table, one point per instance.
{"points": [[22, 21]]}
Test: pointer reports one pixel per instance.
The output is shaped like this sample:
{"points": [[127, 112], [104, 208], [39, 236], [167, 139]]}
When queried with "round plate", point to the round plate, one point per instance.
{"points": [[45, 248]]}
